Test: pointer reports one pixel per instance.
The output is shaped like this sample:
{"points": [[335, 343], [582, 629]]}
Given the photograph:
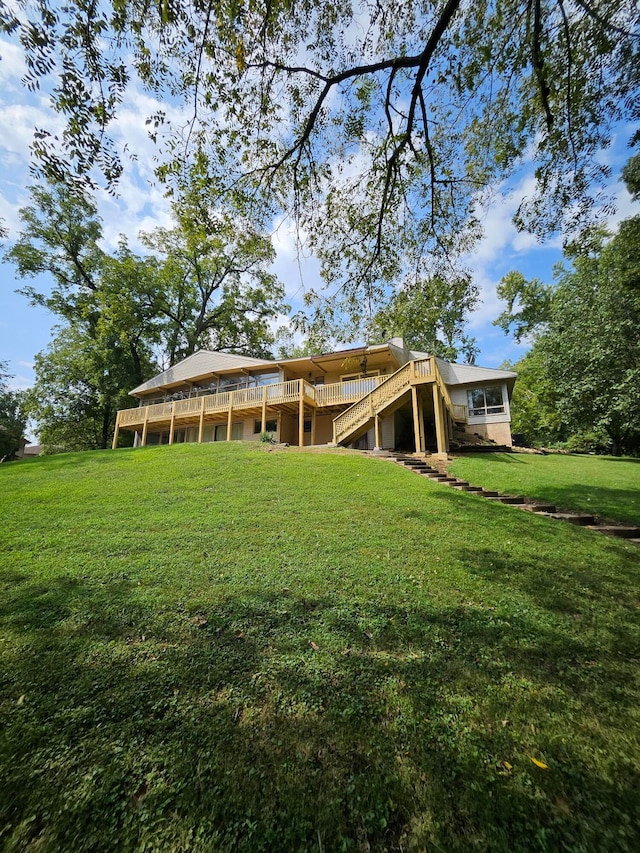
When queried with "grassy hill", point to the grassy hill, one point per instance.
{"points": [[221, 648]]}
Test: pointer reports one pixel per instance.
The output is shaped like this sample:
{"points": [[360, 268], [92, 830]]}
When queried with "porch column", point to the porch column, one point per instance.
{"points": [[173, 420], [441, 440], [301, 414], [263, 423], [201, 424], [229, 415], [418, 433], [378, 423], [145, 427], [313, 426], [114, 444]]}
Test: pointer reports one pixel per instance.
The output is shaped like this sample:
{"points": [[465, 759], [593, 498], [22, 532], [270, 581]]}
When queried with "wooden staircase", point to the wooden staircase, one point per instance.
{"points": [[388, 396]]}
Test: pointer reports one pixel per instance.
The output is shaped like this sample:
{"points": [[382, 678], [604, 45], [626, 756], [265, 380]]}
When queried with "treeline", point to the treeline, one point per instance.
{"points": [[579, 384]]}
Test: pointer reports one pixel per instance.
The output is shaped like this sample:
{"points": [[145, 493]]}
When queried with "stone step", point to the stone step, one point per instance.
{"points": [[572, 518], [618, 530], [505, 499], [546, 508], [487, 493]]}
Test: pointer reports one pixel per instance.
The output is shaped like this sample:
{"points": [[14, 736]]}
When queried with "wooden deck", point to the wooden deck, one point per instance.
{"points": [[353, 401]]}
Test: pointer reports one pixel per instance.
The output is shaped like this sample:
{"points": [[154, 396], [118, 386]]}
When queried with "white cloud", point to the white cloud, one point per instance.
{"points": [[12, 65], [18, 123], [20, 383]]}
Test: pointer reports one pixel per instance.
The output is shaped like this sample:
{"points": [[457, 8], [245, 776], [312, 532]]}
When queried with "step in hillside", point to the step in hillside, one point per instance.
{"points": [[573, 518], [619, 530], [542, 508], [505, 499]]}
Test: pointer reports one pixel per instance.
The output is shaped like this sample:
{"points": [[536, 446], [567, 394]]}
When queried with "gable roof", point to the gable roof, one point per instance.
{"points": [[201, 363]]}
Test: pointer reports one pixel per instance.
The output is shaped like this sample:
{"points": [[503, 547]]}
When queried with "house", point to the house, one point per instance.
{"points": [[384, 396]]}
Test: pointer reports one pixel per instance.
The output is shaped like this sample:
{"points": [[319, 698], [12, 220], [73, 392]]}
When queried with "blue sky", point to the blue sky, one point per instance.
{"points": [[140, 205]]}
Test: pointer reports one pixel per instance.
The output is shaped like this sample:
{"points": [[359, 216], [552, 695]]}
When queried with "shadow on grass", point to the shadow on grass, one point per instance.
{"points": [[273, 721], [605, 502]]}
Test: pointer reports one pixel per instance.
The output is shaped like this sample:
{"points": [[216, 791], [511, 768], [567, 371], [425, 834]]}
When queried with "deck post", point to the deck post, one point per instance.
{"points": [[201, 424], [301, 414], [416, 420], [423, 441], [114, 443], [263, 423], [173, 420], [378, 425], [441, 440], [145, 427], [229, 415]]}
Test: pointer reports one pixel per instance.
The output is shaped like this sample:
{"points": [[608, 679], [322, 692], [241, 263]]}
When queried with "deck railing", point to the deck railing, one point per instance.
{"points": [[460, 413], [244, 398], [346, 392]]}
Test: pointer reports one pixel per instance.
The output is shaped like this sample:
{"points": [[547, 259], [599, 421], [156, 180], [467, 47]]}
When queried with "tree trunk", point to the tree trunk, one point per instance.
{"points": [[106, 427]]}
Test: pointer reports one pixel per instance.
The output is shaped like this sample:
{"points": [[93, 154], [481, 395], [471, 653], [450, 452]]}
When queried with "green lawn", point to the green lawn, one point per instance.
{"points": [[607, 486], [221, 648]]}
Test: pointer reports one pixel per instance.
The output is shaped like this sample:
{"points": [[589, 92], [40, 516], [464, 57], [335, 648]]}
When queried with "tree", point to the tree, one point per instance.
{"points": [[431, 317], [60, 236], [378, 124], [214, 288], [586, 348], [81, 382], [536, 410], [13, 419]]}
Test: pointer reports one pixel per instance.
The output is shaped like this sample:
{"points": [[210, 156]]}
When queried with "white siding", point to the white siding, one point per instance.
{"points": [[388, 433]]}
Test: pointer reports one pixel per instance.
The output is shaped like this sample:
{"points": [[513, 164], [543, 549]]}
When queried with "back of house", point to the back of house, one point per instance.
{"points": [[383, 396]]}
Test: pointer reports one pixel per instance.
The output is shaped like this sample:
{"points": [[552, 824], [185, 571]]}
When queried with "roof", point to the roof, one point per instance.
{"points": [[205, 363], [201, 363], [469, 374]]}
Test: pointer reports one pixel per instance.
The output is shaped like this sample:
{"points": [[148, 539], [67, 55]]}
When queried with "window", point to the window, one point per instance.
{"points": [[260, 379], [269, 426], [485, 401], [228, 383], [360, 375], [307, 426]]}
